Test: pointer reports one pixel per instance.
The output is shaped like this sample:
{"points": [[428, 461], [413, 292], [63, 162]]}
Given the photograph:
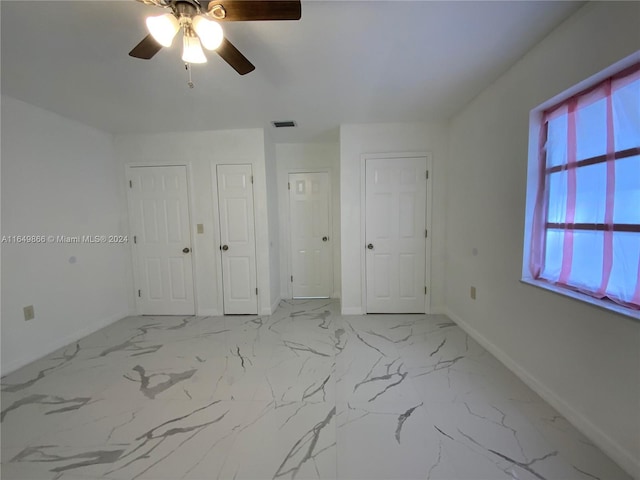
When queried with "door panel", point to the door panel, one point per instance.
{"points": [[177, 279], [159, 213], [154, 278], [240, 279], [395, 220], [237, 221], [310, 226], [407, 266], [381, 264], [237, 233]]}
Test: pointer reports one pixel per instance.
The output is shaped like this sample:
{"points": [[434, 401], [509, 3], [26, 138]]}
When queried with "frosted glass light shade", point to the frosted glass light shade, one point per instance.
{"points": [[192, 51], [210, 33], [163, 28]]}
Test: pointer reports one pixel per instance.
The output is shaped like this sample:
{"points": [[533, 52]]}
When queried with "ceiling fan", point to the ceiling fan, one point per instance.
{"points": [[199, 19]]}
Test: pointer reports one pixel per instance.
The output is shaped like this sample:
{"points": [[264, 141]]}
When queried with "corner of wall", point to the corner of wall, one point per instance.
{"points": [[274, 305]]}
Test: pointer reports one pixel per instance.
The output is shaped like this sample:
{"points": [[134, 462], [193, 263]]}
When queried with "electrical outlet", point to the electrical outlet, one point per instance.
{"points": [[29, 314], [473, 293]]}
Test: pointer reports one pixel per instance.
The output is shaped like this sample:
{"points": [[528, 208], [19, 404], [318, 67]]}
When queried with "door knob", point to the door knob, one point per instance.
{"points": [[324, 239], [185, 250], [225, 247], [370, 246]]}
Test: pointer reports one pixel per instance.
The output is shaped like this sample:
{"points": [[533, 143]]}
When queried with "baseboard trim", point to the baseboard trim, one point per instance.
{"points": [[12, 366], [351, 310], [609, 446]]}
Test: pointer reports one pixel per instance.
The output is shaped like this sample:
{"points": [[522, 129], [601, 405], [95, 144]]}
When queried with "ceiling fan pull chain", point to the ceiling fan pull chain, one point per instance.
{"points": [[187, 67]]}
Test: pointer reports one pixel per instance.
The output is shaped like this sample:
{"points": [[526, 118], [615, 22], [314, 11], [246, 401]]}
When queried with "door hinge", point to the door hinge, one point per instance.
{"points": [[288, 185], [251, 178], [426, 234], [256, 290], [291, 278], [425, 290], [130, 184], [139, 293], [427, 174], [135, 239]]}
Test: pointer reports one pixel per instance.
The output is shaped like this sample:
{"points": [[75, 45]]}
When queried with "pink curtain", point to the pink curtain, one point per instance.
{"points": [[586, 222]]}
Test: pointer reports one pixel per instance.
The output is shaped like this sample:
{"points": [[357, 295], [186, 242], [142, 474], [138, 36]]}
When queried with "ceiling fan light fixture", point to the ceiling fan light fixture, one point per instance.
{"points": [[163, 28], [192, 50], [210, 32]]}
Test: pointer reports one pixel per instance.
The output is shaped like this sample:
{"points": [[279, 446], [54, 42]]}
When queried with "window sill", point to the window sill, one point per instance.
{"points": [[605, 304]]}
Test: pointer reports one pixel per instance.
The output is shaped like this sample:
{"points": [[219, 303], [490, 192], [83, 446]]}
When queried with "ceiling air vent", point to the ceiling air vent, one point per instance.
{"points": [[288, 123]]}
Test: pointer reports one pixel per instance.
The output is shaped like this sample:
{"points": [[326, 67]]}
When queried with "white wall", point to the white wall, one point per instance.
{"points": [[356, 140], [307, 157], [202, 151], [274, 223], [58, 178], [584, 360]]}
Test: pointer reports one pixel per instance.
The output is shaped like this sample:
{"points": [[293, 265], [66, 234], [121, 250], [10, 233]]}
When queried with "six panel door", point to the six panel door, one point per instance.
{"points": [[159, 215], [237, 239], [310, 227], [395, 235]]}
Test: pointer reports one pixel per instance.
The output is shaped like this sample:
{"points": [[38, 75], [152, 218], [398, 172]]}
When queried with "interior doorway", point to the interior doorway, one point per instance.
{"points": [[158, 198], [237, 239], [396, 234], [311, 235]]}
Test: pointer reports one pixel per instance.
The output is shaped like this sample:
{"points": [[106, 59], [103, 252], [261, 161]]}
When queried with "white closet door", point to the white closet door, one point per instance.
{"points": [[237, 239], [310, 226], [395, 235], [159, 215]]}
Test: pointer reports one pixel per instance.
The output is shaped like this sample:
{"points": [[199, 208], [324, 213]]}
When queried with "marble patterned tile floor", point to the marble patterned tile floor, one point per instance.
{"points": [[304, 393]]}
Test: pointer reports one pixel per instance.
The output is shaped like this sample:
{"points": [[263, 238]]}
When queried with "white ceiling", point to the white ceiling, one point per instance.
{"points": [[344, 62]]}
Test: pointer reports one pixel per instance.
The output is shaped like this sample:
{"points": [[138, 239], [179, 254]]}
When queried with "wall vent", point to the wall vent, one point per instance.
{"points": [[284, 124]]}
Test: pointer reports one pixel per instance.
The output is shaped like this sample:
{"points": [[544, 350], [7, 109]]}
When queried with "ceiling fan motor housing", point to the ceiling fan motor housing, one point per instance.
{"points": [[185, 9]]}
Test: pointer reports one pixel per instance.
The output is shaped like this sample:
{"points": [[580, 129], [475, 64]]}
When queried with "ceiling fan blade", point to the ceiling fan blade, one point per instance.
{"points": [[254, 10], [146, 49], [233, 57]]}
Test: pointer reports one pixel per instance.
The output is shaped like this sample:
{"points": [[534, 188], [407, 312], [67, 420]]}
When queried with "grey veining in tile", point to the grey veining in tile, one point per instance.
{"points": [[302, 394]]}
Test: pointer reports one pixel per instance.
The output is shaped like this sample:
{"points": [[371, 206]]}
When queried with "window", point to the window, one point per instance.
{"points": [[585, 231]]}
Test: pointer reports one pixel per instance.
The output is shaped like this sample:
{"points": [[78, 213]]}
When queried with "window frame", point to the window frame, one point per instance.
{"points": [[538, 174]]}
